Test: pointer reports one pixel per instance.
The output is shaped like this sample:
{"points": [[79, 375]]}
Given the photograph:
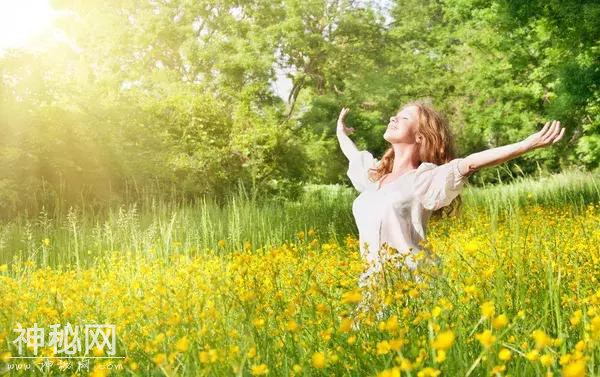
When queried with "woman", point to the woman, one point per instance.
{"points": [[417, 175]]}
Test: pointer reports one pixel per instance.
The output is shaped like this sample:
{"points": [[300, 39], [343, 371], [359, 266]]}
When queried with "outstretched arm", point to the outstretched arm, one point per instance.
{"points": [[342, 132], [549, 134]]}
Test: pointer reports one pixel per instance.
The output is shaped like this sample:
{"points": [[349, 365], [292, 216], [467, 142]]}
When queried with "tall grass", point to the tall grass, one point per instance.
{"points": [[162, 228]]}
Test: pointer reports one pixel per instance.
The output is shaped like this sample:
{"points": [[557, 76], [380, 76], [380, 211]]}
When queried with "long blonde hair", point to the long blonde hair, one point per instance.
{"points": [[437, 146]]}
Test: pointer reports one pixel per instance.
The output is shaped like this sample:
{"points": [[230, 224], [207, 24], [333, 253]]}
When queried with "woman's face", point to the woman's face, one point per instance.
{"points": [[402, 127]]}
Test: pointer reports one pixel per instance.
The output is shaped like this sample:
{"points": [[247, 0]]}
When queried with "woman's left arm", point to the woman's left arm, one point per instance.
{"points": [[549, 134]]}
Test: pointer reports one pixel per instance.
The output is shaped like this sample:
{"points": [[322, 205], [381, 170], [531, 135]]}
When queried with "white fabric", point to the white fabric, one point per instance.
{"points": [[398, 212]]}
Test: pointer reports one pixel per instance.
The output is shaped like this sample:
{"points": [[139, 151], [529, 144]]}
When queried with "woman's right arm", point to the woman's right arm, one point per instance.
{"points": [[342, 132]]}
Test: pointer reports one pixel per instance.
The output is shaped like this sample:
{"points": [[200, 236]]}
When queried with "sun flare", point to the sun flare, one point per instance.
{"points": [[23, 20]]}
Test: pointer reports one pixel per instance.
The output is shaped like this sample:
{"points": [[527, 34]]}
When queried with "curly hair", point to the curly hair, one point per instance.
{"points": [[437, 147]]}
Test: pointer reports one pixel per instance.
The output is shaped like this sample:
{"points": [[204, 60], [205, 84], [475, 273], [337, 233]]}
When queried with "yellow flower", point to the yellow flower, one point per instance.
{"points": [[46, 241], [297, 368], [318, 360], [258, 322], [546, 360], [487, 309], [4, 357], [396, 344], [504, 354], [182, 344], [444, 340], [251, 352], [209, 356], [391, 324], [159, 358], [383, 347], [575, 369], [498, 369], [3, 267], [259, 370], [541, 339], [500, 321], [595, 327], [346, 324], [532, 355], [291, 325], [576, 318], [393, 372], [428, 372], [221, 243], [471, 289], [405, 364], [351, 340], [486, 338], [352, 297], [440, 356]]}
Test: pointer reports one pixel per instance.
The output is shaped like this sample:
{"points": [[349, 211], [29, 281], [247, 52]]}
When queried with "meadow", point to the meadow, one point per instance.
{"points": [[270, 288]]}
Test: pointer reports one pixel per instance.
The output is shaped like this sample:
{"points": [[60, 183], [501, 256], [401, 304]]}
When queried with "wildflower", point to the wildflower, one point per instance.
{"points": [[383, 347], [532, 355], [291, 325], [504, 354], [486, 338], [259, 370], [405, 364], [391, 324], [318, 360], [428, 372], [595, 327], [352, 297], [396, 344], [3, 267], [500, 321], [346, 325], [297, 368], [159, 358], [576, 318], [541, 339], [440, 356], [221, 243], [546, 360], [182, 344], [487, 309], [574, 369], [498, 369], [351, 340], [444, 340], [393, 372]]}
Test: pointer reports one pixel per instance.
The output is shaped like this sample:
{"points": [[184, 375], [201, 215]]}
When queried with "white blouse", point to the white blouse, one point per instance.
{"points": [[397, 213]]}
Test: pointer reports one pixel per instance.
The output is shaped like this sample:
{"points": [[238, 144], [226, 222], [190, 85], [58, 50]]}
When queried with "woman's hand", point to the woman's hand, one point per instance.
{"points": [[549, 134], [341, 126]]}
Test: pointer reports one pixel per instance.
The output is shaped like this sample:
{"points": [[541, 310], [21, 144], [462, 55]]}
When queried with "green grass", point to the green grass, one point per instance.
{"points": [[163, 228]]}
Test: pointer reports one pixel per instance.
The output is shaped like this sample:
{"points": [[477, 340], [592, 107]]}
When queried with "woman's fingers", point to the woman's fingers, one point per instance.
{"points": [[544, 129], [560, 135], [555, 131]]}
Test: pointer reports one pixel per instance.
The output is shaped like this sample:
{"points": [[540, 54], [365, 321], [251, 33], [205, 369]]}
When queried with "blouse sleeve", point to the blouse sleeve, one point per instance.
{"points": [[436, 186], [358, 169]]}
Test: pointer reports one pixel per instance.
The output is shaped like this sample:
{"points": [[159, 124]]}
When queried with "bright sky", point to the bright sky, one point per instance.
{"points": [[20, 20]]}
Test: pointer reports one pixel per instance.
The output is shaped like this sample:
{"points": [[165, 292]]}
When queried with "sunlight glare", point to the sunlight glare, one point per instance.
{"points": [[22, 20]]}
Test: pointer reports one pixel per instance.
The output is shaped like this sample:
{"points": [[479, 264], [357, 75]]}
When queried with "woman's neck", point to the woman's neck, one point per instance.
{"points": [[405, 158]]}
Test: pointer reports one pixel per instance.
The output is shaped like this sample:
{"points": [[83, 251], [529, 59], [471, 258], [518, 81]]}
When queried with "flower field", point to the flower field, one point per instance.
{"points": [[517, 294]]}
